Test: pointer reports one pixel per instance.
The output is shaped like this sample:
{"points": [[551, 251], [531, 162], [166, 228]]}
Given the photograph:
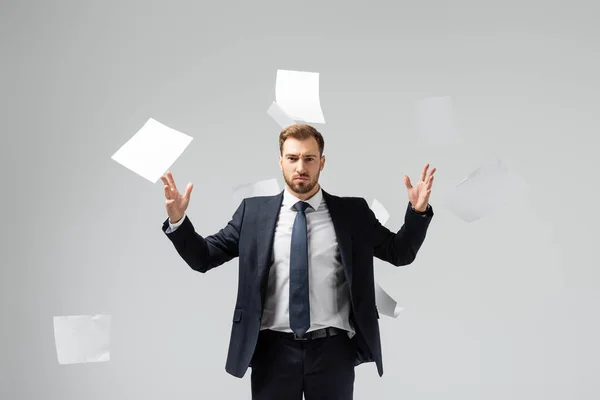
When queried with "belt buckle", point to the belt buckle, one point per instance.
{"points": [[304, 338]]}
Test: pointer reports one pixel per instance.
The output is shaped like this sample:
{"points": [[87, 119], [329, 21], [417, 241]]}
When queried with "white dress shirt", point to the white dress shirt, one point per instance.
{"points": [[328, 289]]}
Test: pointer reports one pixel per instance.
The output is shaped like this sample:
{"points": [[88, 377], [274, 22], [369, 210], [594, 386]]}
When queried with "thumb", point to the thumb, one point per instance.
{"points": [[407, 182]]}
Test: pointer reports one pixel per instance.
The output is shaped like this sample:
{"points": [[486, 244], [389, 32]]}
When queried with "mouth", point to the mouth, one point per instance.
{"points": [[301, 179]]}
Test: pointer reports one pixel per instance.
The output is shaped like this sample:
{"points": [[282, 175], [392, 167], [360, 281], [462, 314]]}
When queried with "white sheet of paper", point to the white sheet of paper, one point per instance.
{"points": [[435, 121], [280, 116], [267, 187], [297, 93], [152, 150], [380, 211], [386, 305], [485, 190], [82, 338]]}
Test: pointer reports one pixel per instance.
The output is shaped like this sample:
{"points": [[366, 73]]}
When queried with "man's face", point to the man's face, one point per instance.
{"points": [[301, 166]]}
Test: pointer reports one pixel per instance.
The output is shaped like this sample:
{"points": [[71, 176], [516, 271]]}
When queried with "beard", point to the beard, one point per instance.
{"points": [[301, 187]]}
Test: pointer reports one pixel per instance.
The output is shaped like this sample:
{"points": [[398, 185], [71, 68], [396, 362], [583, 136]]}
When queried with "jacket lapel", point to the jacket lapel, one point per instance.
{"points": [[342, 231], [267, 220]]}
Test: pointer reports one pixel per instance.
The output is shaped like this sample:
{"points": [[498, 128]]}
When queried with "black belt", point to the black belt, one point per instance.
{"points": [[316, 334]]}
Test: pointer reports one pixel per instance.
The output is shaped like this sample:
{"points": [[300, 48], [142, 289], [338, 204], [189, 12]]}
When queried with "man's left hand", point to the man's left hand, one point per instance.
{"points": [[418, 195]]}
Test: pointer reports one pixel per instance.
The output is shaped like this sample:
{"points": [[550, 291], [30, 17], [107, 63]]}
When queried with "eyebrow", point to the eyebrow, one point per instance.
{"points": [[296, 155]]}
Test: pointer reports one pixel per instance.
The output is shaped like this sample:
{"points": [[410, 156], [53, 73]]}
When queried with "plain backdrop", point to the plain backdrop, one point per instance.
{"points": [[502, 308]]}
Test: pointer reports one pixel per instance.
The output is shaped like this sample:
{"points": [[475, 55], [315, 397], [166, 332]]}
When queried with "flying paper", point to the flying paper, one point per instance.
{"points": [[380, 211], [152, 150], [267, 187], [435, 121], [82, 338], [485, 190], [279, 116], [386, 305], [297, 93]]}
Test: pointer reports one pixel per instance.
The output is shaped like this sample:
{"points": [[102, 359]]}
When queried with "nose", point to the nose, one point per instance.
{"points": [[300, 168]]}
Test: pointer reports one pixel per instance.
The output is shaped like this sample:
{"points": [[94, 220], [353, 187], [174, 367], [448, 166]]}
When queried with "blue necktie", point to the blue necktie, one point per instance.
{"points": [[299, 300]]}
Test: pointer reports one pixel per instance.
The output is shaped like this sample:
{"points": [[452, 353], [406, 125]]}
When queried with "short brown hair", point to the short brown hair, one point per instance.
{"points": [[301, 132]]}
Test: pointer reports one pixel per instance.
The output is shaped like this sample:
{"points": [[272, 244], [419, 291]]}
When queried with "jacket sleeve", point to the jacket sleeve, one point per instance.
{"points": [[400, 248], [205, 253]]}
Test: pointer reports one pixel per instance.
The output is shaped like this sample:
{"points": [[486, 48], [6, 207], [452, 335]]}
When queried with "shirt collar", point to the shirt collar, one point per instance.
{"points": [[315, 201]]}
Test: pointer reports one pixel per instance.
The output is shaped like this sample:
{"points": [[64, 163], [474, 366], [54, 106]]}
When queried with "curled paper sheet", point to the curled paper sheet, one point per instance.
{"points": [[267, 187], [297, 93], [82, 338], [380, 211], [435, 122], [280, 116], [484, 190], [152, 150], [386, 305]]}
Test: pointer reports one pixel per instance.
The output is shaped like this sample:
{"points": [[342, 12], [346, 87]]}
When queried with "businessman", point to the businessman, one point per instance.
{"points": [[305, 314]]}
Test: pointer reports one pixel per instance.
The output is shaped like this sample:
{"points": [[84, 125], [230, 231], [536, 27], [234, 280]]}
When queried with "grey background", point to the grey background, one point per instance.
{"points": [[505, 307]]}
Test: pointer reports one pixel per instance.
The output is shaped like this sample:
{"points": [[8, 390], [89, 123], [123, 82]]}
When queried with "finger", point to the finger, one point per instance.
{"points": [[407, 182], [170, 190], [432, 171], [166, 186], [425, 197], [167, 183], [429, 183], [188, 190], [171, 181], [430, 175], [167, 192], [424, 172]]}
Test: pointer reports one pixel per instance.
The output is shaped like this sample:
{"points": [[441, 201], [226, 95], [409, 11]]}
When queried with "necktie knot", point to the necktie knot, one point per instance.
{"points": [[301, 206]]}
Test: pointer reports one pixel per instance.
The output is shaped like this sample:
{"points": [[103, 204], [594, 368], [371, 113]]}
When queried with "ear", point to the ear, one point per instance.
{"points": [[322, 163], [281, 163]]}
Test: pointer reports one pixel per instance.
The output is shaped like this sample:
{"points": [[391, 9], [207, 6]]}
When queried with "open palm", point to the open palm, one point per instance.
{"points": [[418, 195], [175, 202]]}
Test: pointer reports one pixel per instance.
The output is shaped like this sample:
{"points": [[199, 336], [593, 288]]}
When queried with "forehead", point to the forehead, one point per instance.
{"points": [[306, 147]]}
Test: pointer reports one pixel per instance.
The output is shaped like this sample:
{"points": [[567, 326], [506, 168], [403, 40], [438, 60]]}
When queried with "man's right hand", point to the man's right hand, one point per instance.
{"points": [[176, 203]]}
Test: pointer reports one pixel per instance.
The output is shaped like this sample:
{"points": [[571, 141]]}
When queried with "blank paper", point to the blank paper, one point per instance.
{"points": [[386, 305], [297, 93], [152, 150], [82, 338], [267, 187], [485, 190], [380, 211], [280, 116]]}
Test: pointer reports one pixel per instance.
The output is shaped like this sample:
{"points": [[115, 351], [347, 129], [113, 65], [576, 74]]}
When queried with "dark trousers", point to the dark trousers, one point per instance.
{"points": [[284, 368]]}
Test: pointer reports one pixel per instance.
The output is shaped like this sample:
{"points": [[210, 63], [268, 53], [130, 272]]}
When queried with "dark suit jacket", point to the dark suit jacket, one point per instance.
{"points": [[249, 236]]}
